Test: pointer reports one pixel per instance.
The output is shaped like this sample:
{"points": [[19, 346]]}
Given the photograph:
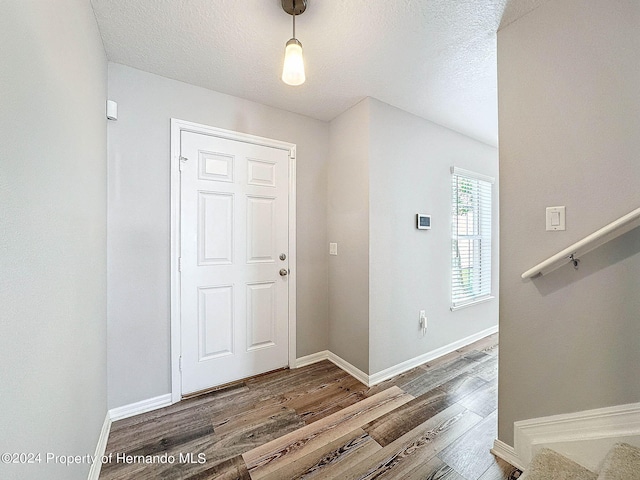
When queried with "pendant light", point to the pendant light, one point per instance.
{"points": [[293, 70]]}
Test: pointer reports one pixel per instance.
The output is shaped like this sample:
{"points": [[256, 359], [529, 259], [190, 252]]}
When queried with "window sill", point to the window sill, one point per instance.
{"points": [[472, 302]]}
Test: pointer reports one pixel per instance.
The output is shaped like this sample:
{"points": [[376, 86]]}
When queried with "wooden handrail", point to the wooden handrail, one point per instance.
{"points": [[572, 253]]}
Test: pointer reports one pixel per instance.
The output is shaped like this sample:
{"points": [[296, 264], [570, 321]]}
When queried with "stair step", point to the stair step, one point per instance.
{"points": [[272, 456], [621, 463], [549, 465]]}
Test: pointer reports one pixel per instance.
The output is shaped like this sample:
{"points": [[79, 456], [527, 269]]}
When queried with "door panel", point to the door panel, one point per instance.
{"points": [[214, 166], [215, 228], [261, 230], [261, 315], [234, 227], [261, 173], [215, 321]]}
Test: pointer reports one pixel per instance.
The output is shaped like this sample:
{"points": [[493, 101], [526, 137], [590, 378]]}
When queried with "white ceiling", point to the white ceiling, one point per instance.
{"points": [[433, 58]]}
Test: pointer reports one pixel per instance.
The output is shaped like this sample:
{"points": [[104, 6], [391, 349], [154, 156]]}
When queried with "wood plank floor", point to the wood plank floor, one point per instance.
{"points": [[436, 421]]}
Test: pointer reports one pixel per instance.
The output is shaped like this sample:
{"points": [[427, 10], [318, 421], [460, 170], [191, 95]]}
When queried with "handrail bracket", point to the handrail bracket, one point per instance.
{"points": [[574, 260]]}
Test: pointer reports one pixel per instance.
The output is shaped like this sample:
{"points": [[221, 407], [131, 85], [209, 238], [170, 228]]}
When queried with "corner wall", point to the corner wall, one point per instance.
{"points": [[53, 86], [410, 269], [348, 226], [569, 113], [139, 220], [386, 165]]}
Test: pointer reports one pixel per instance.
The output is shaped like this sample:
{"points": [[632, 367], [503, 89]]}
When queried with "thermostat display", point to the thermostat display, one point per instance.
{"points": [[424, 221]]}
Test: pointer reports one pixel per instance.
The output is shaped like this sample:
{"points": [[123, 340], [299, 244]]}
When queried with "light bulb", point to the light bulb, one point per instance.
{"points": [[293, 71]]}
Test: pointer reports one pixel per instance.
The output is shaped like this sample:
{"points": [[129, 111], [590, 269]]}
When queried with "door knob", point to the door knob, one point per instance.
{"points": [[284, 272]]}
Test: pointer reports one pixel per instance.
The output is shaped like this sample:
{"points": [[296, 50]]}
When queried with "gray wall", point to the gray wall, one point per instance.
{"points": [[386, 165], [348, 226], [410, 269], [569, 135], [53, 85], [139, 220]]}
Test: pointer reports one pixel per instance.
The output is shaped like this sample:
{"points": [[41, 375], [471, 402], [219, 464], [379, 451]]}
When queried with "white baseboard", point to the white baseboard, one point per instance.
{"points": [[94, 471], [506, 453], [336, 360], [313, 358], [584, 437], [350, 369], [161, 401], [137, 408], [429, 356], [370, 380], [119, 413]]}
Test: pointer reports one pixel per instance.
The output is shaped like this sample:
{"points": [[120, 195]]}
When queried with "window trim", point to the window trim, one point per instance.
{"points": [[484, 298], [471, 174], [487, 296]]}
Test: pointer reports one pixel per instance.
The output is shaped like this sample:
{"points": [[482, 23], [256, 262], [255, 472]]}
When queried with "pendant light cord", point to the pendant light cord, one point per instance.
{"points": [[294, 18]]}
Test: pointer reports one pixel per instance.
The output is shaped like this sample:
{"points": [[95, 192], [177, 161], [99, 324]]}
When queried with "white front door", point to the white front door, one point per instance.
{"points": [[234, 288]]}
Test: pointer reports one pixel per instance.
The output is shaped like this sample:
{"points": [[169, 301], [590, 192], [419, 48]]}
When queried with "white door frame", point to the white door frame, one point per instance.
{"points": [[178, 126]]}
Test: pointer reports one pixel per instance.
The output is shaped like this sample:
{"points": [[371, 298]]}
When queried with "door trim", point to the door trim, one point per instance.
{"points": [[178, 126]]}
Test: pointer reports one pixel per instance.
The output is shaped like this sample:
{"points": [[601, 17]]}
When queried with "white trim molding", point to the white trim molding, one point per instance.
{"points": [[584, 437], [402, 367], [350, 369], [336, 360], [313, 358], [468, 173], [96, 465], [370, 380], [120, 413], [178, 126], [575, 435], [137, 408], [506, 453]]}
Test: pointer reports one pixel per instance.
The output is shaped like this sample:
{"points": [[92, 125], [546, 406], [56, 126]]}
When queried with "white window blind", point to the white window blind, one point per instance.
{"points": [[471, 237]]}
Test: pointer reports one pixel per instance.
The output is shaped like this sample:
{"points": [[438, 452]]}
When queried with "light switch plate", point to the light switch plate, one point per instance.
{"points": [[556, 219], [333, 249]]}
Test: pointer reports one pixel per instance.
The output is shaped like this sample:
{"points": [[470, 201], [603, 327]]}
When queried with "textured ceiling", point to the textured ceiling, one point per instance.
{"points": [[433, 58]]}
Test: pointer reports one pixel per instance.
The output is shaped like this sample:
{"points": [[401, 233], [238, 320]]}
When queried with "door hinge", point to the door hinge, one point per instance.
{"points": [[182, 161], [179, 264], [180, 363]]}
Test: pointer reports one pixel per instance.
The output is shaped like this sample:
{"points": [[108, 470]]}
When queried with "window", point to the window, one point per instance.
{"points": [[471, 238]]}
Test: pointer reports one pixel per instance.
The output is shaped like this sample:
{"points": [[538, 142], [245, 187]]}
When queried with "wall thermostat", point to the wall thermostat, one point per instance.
{"points": [[423, 221]]}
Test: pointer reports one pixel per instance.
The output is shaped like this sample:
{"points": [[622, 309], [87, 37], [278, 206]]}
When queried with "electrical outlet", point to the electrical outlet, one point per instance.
{"points": [[423, 322]]}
